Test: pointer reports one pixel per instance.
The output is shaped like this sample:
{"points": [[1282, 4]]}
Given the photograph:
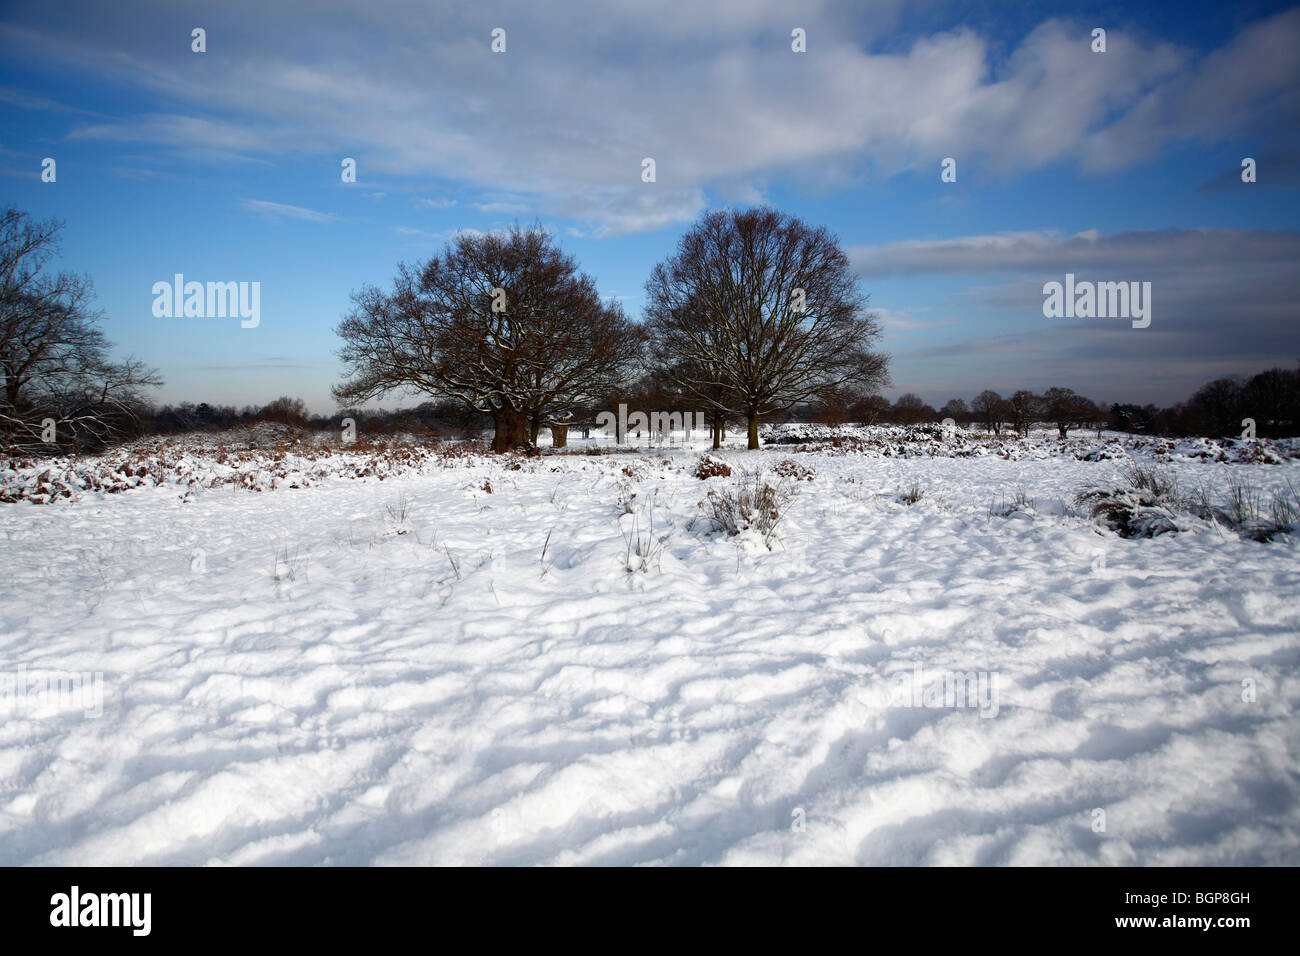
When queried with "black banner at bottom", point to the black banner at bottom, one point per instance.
{"points": [[134, 906]]}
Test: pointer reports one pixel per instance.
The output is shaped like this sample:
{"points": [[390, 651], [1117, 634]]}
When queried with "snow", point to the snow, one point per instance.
{"points": [[397, 666]]}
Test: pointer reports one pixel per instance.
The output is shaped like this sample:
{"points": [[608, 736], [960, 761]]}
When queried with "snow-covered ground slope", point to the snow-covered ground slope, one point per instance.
{"points": [[422, 670]]}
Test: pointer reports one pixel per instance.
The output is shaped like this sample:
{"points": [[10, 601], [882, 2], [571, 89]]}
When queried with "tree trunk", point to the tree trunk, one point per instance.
{"points": [[753, 431], [717, 434], [511, 430], [534, 427], [560, 436], [1061, 428]]}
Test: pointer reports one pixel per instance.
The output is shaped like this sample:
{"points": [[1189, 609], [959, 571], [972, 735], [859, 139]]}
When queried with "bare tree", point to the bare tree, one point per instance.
{"points": [[834, 405], [870, 409], [1026, 407], [990, 409], [502, 322], [911, 409], [699, 381], [285, 410], [955, 408], [1272, 398], [1067, 409], [53, 357], [1216, 408], [758, 311]]}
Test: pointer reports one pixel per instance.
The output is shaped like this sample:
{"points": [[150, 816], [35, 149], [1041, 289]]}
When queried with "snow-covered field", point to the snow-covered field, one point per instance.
{"points": [[422, 670]]}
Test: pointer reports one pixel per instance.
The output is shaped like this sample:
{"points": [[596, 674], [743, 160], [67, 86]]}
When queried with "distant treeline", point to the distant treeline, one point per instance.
{"points": [[1271, 399], [1217, 409], [786, 337], [444, 419]]}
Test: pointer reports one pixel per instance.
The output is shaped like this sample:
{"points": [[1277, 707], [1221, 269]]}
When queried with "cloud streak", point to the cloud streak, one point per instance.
{"points": [[1034, 252], [279, 210], [716, 97], [1223, 302]]}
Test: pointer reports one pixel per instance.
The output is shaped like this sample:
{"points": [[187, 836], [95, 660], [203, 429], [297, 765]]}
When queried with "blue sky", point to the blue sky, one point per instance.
{"points": [[1123, 165]]}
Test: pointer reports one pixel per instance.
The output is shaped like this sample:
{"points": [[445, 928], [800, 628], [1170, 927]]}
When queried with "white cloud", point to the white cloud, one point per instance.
{"points": [[618, 211], [498, 208], [445, 235], [279, 210], [1222, 300], [1133, 251], [562, 120]]}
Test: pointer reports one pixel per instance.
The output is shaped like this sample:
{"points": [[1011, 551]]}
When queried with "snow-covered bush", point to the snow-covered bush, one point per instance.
{"points": [[751, 502], [710, 466], [1154, 504], [399, 515], [1131, 512], [189, 466], [789, 468], [645, 546], [1105, 452], [911, 494], [1018, 504], [1150, 506], [1162, 484], [1244, 510]]}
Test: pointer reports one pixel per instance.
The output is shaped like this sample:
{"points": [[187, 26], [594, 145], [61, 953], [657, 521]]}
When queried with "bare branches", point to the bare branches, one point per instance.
{"points": [[53, 356], [758, 311], [546, 346]]}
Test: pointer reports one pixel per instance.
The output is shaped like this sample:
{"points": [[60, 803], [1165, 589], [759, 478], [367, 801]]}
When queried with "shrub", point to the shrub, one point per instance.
{"points": [[1129, 513], [1148, 507], [1285, 508], [1162, 484], [645, 547], [1019, 503], [789, 468], [399, 515], [911, 495], [1244, 510], [750, 502], [712, 467], [1242, 504]]}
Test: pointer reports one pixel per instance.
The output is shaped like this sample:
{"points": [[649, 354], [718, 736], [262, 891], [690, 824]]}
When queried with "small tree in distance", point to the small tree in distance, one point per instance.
{"points": [[990, 410], [869, 410], [910, 409], [286, 411], [955, 408], [1026, 407], [1066, 409]]}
